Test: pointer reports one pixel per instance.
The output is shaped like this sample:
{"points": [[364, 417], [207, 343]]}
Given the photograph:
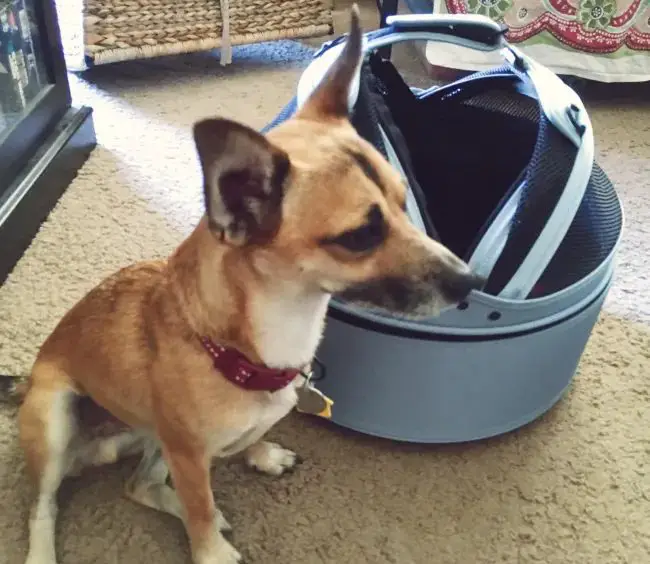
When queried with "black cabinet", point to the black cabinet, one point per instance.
{"points": [[44, 139]]}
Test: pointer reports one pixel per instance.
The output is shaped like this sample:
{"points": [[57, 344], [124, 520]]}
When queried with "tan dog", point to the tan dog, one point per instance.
{"points": [[291, 218]]}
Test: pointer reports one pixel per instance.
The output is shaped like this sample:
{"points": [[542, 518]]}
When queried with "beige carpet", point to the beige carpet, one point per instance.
{"points": [[574, 488]]}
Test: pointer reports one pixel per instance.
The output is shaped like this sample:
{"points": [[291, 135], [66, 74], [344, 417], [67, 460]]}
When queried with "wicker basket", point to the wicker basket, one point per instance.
{"points": [[119, 30]]}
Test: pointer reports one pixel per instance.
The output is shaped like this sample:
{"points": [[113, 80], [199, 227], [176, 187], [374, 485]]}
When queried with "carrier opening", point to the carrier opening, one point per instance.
{"points": [[465, 157]]}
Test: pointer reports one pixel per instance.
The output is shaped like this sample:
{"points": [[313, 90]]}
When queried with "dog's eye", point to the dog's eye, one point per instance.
{"points": [[364, 238], [360, 240]]}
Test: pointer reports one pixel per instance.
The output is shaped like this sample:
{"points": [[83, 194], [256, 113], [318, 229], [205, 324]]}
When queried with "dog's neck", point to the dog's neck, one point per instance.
{"points": [[287, 325], [225, 298]]}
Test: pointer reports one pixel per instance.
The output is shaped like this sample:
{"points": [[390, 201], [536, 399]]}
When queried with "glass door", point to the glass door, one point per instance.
{"points": [[22, 70], [34, 90]]}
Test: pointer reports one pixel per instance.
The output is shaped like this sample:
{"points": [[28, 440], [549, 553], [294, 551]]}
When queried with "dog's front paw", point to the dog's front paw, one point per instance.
{"points": [[271, 458], [224, 553]]}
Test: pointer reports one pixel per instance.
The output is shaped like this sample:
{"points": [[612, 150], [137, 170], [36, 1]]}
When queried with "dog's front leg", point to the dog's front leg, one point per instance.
{"points": [[190, 470]]}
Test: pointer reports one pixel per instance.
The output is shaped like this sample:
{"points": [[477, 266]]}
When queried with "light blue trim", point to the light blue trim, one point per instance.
{"points": [[558, 102], [412, 208], [490, 247]]}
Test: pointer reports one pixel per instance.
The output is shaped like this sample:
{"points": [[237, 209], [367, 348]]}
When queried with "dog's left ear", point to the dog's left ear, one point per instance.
{"points": [[243, 179], [330, 98]]}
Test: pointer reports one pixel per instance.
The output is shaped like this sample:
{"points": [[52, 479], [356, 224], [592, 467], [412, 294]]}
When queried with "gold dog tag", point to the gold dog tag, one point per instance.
{"points": [[313, 401]]}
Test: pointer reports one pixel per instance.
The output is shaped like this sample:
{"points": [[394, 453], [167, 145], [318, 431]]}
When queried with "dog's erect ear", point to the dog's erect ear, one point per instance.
{"points": [[243, 179], [330, 98]]}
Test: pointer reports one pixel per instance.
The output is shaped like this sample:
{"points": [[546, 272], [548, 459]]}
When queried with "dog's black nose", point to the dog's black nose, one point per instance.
{"points": [[456, 286]]}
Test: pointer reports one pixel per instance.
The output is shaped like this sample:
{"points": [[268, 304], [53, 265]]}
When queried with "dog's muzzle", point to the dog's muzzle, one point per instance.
{"points": [[456, 286]]}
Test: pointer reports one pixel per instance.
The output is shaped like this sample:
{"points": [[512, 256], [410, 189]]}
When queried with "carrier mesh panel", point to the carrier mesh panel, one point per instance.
{"points": [[590, 239], [507, 102], [596, 226], [598, 221], [467, 154], [546, 178]]}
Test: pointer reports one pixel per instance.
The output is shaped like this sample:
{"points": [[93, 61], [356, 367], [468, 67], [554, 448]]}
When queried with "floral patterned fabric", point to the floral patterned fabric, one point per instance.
{"points": [[605, 40]]}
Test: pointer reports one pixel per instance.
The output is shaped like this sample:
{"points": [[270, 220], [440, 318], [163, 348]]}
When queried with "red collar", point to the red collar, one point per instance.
{"points": [[243, 373]]}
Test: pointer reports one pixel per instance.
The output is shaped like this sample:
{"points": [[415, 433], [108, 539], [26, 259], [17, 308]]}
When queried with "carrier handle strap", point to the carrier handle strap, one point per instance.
{"points": [[560, 104], [473, 31], [470, 30]]}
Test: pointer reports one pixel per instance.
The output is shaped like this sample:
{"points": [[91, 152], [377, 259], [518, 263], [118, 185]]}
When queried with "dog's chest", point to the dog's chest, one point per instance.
{"points": [[258, 420]]}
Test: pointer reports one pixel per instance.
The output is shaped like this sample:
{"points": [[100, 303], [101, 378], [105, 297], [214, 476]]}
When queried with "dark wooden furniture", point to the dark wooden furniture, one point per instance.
{"points": [[44, 139]]}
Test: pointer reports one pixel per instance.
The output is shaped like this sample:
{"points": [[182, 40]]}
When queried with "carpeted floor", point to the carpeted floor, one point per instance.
{"points": [[573, 488]]}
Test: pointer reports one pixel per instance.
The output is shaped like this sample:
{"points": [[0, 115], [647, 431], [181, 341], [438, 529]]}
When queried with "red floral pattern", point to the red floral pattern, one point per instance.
{"points": [[583, 25]]}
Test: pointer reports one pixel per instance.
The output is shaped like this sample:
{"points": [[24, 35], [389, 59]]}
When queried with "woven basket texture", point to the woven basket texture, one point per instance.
{"points": [[129, 29]]}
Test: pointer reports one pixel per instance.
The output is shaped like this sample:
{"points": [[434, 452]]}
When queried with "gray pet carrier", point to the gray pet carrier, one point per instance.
{"points": [[501, 170]]}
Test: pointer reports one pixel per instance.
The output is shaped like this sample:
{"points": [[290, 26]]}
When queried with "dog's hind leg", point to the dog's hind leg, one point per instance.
{"points": [[148, 486], [106, 450], [47, 424]]}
